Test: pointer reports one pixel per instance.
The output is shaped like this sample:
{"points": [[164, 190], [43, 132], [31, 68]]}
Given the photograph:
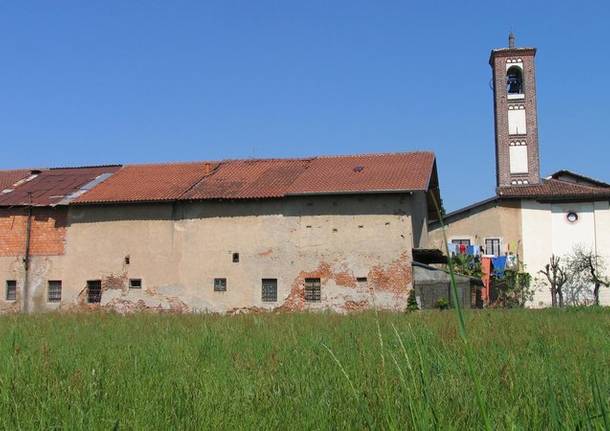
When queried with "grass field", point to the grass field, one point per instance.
{"points": [[538, 370]]}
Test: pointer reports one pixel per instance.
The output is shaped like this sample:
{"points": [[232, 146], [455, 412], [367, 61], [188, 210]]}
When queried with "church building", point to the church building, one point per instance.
{"points": [[529, 217]]}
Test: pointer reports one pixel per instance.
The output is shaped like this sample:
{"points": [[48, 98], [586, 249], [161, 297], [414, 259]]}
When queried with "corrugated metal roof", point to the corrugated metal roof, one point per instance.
{"points": [[50, 187], [9, 178]]}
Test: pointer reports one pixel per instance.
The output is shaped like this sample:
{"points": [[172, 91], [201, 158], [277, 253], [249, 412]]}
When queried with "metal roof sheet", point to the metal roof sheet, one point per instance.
{"points": [[52, 186]]}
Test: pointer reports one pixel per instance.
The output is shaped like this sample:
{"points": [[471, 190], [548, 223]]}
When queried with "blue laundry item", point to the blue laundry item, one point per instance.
{"points": [[452, 249], [471, 250], [499, 264]]}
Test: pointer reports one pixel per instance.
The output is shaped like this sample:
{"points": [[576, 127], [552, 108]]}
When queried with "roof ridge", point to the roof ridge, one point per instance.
{"points": [[390, 153], [117, 165]]}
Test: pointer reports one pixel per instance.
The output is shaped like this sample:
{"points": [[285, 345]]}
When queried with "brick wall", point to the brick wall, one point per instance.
{"points": [[501, 104], [47, 235]]}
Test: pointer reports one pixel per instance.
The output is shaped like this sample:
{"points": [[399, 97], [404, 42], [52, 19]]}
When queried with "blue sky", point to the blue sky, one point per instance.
{"points": [[143, 81]]}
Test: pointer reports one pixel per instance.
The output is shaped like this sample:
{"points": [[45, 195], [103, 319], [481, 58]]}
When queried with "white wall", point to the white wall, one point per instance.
{"points": [[518, 159], [546, 231], [516, 122]]}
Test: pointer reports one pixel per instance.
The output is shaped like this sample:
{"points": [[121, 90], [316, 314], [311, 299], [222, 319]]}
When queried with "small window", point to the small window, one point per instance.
{"points": [[235, 257], [54, 291], [313, 291], [269, 290], [465, 242], [135, 283], [492, 246], [11, 290], [572, 217], [220, 285], [94, 291], [362, 282]]}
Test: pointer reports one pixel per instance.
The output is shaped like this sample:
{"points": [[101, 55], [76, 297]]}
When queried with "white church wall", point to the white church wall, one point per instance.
{"points": [[536, 240], [602, 243], [546, 231]]}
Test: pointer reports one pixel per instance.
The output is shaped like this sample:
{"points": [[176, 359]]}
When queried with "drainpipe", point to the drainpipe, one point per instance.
{"points": [[26, 258]]}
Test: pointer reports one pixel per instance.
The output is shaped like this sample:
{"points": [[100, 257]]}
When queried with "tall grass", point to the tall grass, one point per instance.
{"points": [[538, 369]]}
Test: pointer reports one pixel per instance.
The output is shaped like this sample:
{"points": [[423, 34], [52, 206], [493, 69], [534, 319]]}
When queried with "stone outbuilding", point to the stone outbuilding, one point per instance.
{"points": [[228, 236]]}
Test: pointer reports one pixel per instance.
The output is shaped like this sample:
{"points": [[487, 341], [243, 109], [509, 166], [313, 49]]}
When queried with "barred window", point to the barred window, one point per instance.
{"points": [[269, 289], [220, 285], [54, 291], [313, 290], [135, 283], [465, 242], [11, 290], [94, 291], [492, 246]]}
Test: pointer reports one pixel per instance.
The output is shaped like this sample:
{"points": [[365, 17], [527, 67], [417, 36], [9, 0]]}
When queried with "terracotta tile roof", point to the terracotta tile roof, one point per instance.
{"points": [[148, 183], [555, 189], [248, 179], [366, 173], [55, 186], [9, 178], [230, 179]]}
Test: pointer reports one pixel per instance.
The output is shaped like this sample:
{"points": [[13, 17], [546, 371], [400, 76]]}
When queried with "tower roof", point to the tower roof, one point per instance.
{"points": [[511, 50]]}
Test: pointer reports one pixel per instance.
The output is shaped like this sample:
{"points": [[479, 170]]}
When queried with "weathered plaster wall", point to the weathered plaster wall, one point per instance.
{"points": [[496, 220], [178, 249], [47, 245]]}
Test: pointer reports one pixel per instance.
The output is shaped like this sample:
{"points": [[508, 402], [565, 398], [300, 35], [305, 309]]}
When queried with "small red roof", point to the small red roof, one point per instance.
{"points": [[553, 188], [55, 186]]}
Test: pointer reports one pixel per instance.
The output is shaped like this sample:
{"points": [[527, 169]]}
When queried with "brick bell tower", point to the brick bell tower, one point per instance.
{"points": [[516, 125]]}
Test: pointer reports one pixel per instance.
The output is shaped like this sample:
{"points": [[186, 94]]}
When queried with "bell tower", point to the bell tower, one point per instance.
{"points": [[515, 118]]}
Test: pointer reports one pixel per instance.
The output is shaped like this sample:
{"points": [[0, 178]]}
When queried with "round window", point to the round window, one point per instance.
{"points": [[572, 217]]}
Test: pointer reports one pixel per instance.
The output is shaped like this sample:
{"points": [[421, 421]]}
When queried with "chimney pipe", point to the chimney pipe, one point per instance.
{"points": [[511, 40]]}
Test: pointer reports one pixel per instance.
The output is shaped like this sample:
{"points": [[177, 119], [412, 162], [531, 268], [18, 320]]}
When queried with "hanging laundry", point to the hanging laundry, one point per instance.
{"points": [[452, 249], [499, 265], [511, 261], [471, 250], [485, 278], [462, 248]]}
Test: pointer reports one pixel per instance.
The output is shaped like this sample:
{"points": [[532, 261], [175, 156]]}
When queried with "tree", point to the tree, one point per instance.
{"points": [[557, 276], [465, 264], [412, 301], [513, 289], [587, 266]]}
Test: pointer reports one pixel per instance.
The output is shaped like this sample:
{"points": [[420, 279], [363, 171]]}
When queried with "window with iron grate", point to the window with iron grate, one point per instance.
{"points": [[11, 290], [313, 290], [220, 285], [94, 291], [269, 289], [54, 291]]}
